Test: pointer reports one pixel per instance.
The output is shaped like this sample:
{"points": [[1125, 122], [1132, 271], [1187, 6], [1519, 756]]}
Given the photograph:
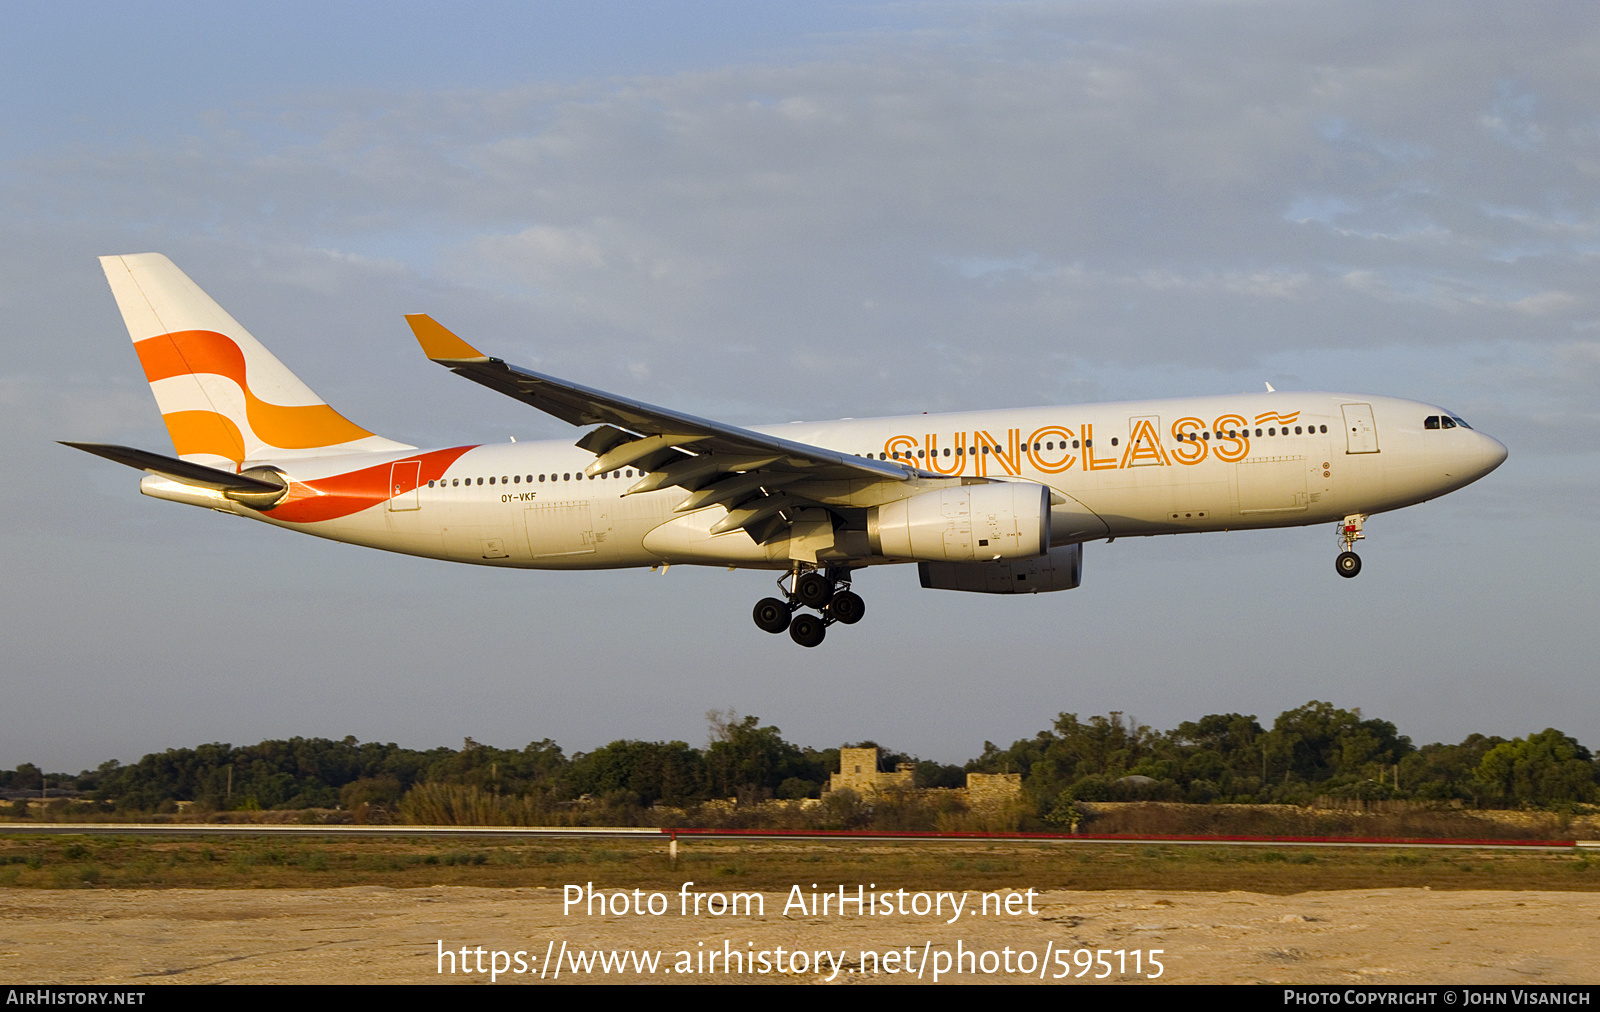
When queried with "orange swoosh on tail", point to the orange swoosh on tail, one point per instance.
{"points": [[297, 427]]}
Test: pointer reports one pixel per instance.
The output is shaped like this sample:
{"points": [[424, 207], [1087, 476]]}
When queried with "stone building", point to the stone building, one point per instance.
{"points": [[858, 771]]}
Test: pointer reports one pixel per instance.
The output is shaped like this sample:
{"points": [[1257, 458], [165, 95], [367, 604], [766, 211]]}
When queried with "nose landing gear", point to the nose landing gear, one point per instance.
{"points": [[1348, 563], [828, 593]]}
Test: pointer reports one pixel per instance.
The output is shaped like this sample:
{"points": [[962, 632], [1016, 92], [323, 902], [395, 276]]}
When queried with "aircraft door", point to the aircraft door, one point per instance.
{"points": [[404, 477], [1360, 429], [1144, 443]]}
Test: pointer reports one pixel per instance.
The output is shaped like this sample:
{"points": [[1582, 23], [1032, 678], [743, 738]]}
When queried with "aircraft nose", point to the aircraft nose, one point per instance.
{"points": [[1489, 453]]}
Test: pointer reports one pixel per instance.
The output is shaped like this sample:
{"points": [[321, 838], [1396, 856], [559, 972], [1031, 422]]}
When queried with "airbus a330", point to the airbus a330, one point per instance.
{"points": [[997, 502]]}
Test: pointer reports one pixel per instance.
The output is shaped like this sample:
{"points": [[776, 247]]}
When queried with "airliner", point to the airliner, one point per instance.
{"points": [[995, 502]]}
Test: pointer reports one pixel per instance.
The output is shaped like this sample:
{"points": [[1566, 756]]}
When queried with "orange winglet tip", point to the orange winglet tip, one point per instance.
{"points": [[438, 343]]}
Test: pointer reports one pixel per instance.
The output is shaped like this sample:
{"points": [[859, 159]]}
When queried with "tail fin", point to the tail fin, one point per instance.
{"points": [[224, 397]]}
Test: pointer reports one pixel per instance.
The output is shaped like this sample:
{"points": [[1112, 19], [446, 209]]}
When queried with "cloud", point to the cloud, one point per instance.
{"points": [[1204, 187]]}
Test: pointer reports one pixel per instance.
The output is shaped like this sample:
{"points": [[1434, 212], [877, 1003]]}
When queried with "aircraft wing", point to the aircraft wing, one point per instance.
{"points": [[718, 463]]}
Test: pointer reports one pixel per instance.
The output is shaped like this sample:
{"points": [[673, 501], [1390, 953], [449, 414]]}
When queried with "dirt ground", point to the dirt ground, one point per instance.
{"points": [[374, 934]]}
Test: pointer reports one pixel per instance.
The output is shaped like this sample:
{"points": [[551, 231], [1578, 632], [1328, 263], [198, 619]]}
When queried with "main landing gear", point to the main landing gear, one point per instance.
{"points": [[829, 593], [1348, 563]]}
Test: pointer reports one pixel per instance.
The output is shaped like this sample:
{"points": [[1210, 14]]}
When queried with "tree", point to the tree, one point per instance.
{"points": [[1220, 742], [1318, 741], [745, 757], [1539, 769], [651, 771]]}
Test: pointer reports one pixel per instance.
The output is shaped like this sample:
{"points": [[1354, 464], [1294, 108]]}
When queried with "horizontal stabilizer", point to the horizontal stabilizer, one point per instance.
{"points": [[181, 470]]}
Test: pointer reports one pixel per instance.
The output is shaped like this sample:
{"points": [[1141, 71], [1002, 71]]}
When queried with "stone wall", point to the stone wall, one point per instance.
{"points": [[993, 790]]}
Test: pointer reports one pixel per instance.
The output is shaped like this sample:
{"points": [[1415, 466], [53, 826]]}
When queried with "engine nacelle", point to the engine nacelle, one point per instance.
{"points": [[967, 523], [1062, 569]]}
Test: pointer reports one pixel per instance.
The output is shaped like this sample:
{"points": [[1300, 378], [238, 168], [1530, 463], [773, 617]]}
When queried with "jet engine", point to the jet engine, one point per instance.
{"points": [[966, 523], [1061, 569]]}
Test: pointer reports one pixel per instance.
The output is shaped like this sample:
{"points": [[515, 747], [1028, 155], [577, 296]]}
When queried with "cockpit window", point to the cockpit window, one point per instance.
{"points": [[1460, 421], [1447, 422], [1431, 422]]}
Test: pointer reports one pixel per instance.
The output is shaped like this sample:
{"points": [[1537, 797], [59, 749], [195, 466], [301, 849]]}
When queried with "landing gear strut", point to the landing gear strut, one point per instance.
{"points": [[1348, 563], [827, 592]]}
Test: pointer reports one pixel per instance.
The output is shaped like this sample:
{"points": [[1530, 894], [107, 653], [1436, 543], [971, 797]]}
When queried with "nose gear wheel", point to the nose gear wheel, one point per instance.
{"points": [[1348, 563]]}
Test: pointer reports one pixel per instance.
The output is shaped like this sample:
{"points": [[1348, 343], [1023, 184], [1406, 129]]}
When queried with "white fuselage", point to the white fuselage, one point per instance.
{"points": [[1120, 469]]}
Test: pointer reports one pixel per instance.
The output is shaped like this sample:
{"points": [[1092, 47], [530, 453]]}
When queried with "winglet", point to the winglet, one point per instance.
{"points": [[439, 344]]}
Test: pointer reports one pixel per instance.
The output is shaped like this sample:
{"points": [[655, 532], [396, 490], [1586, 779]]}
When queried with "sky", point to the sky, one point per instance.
{"points": [[760, 212]]}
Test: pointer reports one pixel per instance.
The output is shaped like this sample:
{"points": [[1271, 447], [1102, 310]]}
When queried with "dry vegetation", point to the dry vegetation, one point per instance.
{"points": [[1401, 820], [231, 863]]}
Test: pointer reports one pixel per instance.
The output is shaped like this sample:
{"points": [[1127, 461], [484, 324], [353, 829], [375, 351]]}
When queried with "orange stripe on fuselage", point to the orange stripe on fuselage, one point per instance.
{"points": [[340, 495], [298, 427]]}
